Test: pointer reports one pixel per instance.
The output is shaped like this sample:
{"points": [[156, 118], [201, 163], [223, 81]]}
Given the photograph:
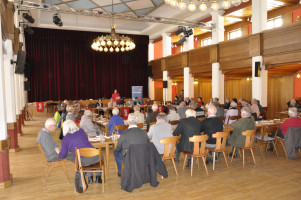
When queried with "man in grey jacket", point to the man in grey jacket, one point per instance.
{"points": [[47, 142], [182, 109], [159, 131]]}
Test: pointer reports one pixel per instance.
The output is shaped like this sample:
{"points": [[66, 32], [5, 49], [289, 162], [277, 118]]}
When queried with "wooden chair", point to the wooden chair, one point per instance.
{"points": [[96, 167], [202, 118], [175, 122], [249, 144], [169, 150], [234, 117], [281, 141], [222, 118], [220, 145], [150, 124], [198, 151], [51, 165], [140, 125], [264, 139], [120, 127]]}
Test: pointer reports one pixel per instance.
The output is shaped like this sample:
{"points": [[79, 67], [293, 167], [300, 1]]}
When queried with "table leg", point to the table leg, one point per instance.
{"points": [[107, 156]]}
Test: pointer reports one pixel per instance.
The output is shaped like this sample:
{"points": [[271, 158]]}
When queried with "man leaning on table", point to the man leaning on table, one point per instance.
{"points": [[133, 135]]}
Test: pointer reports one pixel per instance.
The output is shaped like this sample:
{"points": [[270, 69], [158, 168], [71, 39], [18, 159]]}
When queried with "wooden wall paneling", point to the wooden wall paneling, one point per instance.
{"points": [[201, 37], [238, 88], [287, 19], [282, 45], [16, 42], [156, 68], [158, 94], [199, 60], [280, 91], [4, 25], [176, 63], [255, 47], [205, 90], [214, 53], [180, 86], [10, 20]]}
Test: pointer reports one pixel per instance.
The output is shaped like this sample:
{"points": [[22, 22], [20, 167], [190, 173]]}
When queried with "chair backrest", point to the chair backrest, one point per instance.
{"points": [[120, 127], [86, 152], [170, 145], [234, 117], [150, 124], [202, 118], [250, 137], [43, 154], [140, 125], [197, 139], [175, 122], [221, 145], [269, 130], [222, 118]]}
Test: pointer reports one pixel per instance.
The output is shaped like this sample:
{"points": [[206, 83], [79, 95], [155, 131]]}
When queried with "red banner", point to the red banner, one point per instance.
{"points": [[40, 106], [161, 108], [125, 111]]}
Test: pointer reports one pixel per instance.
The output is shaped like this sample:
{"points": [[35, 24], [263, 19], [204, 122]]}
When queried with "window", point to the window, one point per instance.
{"points": [[234, 34], [206, 42], [274, 22]]}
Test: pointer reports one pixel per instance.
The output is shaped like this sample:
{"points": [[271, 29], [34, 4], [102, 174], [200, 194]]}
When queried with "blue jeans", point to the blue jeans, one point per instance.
{"points": [[118, 158]]}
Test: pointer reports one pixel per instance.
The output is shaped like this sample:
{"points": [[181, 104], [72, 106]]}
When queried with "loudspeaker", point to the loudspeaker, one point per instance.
{"points": [[164, 84], [27, 85], [27, 70], [257, 69], [149, 72]]}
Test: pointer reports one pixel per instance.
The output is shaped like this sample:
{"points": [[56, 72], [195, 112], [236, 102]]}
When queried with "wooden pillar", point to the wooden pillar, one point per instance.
{"points": [[12, 131]]}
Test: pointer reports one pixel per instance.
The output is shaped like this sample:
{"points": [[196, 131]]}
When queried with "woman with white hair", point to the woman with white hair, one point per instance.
{"points": [[231, 112], [76, 138], [87, 124], [116, 119]]}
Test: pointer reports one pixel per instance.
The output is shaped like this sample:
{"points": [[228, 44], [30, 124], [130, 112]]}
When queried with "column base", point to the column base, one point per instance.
{"points": [[19, 125], [23, 116], [5, 176], [13, 135], [7, 183]]}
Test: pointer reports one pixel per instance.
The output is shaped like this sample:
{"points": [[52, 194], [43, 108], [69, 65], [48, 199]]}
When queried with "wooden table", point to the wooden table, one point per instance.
{"points": [[106, 145], [104, 127]]}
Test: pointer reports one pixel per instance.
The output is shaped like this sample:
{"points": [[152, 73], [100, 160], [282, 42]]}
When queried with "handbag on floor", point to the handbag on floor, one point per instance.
{"points": [[80, 182]]}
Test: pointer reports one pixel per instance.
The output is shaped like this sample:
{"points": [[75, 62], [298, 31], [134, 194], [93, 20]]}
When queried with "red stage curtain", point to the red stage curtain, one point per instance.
{"points": [[63, 66]]}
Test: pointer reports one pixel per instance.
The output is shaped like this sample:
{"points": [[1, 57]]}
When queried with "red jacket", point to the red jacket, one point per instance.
{"points": [[293, 121], [114, 96]]}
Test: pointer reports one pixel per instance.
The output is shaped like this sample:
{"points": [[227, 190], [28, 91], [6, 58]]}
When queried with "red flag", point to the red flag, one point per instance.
{"points": [[40, 106], [161, 108], [125, 111]]}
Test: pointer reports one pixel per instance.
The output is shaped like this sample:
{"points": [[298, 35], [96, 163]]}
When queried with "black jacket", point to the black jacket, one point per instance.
{"points": [[188, 127], [141, 165], [211, 126]]}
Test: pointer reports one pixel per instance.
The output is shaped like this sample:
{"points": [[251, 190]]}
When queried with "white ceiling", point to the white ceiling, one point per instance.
{"points": [[135, 7]]}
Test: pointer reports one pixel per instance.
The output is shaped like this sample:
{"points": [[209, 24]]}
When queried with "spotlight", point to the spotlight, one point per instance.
{"points": [[188, 33], [181, 41], [180, 30], [27, 29], [57, 20], [28, 17]]}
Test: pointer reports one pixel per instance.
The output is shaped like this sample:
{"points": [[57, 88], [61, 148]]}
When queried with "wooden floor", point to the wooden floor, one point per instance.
{"points": [[270, 178]]}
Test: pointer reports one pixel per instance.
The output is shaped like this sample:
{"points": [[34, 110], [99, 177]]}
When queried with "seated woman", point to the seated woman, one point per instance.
{"points": [[115, 120], [209, 103], [255, 109], [129, 103], [200, 101], [227, 104], [231, 112], [87, 124], [76, 138]]}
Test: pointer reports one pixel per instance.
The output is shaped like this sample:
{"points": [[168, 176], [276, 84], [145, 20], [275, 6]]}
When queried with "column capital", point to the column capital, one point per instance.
{"points": [[151, 41], [166, 34]]}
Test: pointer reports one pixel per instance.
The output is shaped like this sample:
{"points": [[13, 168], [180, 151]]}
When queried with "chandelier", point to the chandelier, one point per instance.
{"points": [[113, 42], [203, 6]]}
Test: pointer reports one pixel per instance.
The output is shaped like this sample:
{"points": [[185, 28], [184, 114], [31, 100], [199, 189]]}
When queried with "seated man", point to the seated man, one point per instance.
{"points": [[173, 116], [182, 109], [211, 125], [136, 102], [47, 142], [87, 124], [116, 119], [187, 128], [152, 116], [129, 103], [199, 111], [159, 131], [133, 135], [246, 122], [219, 110], [138, 114], [187, 101], [71, 113], [293, 121], [293, 103]]}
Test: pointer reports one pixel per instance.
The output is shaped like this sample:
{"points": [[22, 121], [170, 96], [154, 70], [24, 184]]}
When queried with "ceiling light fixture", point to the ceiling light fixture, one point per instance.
{"points": [[113, 42], [214, 6], [298, 75], [191, 6], [226, 4], [203, 7], [236, 2], [174, 3], [167, 1], [182, 5]]}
